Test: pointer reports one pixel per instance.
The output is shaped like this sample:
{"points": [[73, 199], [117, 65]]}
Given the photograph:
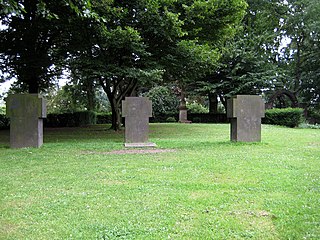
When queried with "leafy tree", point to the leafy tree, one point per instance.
{"points": [[164, 101], [114, 54], [249, 61], [195, 107], [301, 26], [33, 39], [143, 41], [72, 98], [206, 26], [63, 100]]}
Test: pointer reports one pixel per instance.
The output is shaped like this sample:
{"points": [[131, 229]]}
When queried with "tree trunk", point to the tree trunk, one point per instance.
{"points": [[115, 97], [115, 110], [33, 85], [91, 105], [223, 101], [213, 103]]}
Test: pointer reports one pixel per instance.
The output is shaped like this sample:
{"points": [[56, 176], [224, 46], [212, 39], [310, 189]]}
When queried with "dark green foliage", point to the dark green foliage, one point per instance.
{"points": [[196, 120], [289, 117], [208, 117], [76, 119], [4, 122], [195, 107], [86, 118], [171, 119], [164, 101], [194, 117], [163, 118], [314, 117], [34, 39], [104, 118]]}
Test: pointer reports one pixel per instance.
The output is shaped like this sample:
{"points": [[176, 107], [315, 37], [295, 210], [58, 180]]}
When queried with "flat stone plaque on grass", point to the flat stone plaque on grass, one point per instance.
{"points": [[137, 111], [245, 112], [26, 113]]}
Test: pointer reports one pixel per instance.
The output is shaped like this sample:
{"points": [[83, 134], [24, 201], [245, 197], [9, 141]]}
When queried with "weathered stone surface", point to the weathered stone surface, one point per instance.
{"points": [[137, 111], [183, 112], [245, 112], [183, 116], [26, 113]]}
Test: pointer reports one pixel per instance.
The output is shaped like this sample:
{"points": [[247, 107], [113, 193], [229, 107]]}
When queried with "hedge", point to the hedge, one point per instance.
{"points": [[194, 117], [75, 119], [289, 117], [314, 117], [104, 118], [208, 117], [4, 122]]}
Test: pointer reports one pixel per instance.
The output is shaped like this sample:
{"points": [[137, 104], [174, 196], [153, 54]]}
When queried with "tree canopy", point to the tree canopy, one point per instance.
{"points": [[133, 43], [33, 39], [275, 48], [219, 48]]}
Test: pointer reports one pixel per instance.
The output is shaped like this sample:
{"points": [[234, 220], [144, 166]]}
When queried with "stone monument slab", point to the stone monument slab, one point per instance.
{"points": [[183, 111], [245, 112], [137, 111], [26, 113]]}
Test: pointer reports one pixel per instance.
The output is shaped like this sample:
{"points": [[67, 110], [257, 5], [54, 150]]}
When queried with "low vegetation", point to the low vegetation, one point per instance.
{"points": [[289, 117], [82, 185]]}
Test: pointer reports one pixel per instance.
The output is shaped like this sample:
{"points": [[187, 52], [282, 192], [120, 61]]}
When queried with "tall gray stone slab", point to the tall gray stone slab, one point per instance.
{"points": [[137, 111], [26, 113], [245, 113]]}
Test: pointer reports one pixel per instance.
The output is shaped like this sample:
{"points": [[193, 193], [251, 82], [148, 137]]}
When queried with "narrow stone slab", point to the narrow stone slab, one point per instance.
{"points": [[26, 113], [137, 111], [245, 112]]}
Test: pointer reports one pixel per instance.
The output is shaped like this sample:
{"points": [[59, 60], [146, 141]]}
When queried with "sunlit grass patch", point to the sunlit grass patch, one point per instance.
{"points": [[82, 184]]}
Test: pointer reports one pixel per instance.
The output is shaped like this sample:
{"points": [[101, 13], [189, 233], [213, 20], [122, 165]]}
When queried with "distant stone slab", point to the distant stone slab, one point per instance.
{"points": [[137, 111], [183, 116], [26, 113], [183, 111], [245, 112]]}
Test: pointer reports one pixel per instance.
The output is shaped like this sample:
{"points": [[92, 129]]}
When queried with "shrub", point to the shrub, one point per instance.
{"points": [[76, 119], [196, 120], [171, 119], [310, 126], [195, 117], [4, 122], [195, 107], [314, 117], [104, 118], [3, 110], [164, 101], [86, 118], [289, 117], [208, 117]]}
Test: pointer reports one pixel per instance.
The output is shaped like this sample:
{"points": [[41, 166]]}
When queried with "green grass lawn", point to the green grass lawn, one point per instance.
{"points": [[208, 188]]}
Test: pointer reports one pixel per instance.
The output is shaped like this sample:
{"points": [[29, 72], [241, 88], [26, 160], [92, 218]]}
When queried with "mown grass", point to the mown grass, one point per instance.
{"points": [[209, 188]]}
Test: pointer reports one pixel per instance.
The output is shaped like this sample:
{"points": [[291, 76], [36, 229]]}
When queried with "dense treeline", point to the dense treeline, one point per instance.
{"points": [[195, 48]]}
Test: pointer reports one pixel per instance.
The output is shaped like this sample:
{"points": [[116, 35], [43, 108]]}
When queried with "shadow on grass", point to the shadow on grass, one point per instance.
{"points": [[83, 134]]}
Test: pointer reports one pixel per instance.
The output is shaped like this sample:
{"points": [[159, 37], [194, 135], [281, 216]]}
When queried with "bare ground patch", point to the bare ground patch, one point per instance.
{"points": [[133, 151]]}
